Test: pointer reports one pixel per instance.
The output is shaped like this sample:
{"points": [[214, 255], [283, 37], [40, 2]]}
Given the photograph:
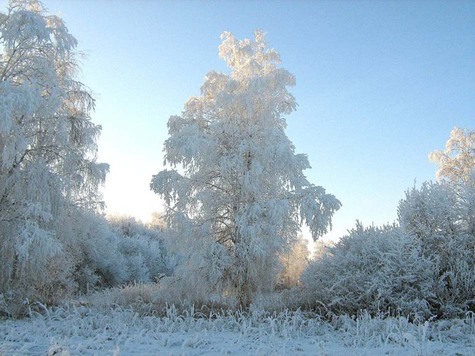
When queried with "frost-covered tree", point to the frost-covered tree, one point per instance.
{"points": [[457, 161], [236, 193], [47, 142]]}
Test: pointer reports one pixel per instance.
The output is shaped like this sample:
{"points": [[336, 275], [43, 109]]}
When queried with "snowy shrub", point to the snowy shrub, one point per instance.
{"points": [[115, 252], [375, 269], [441, 217], [423, 267], [143, 248], [94, 248], [96, 253]]}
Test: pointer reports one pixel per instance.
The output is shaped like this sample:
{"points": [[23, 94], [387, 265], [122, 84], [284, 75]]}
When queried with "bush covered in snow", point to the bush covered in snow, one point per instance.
{"points": [[112, 253], [377, 269], [422, 267], [94, 253], [441, 217], [143, 248]]}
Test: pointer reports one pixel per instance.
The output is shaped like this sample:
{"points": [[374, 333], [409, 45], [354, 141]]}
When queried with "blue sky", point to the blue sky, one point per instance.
{"points": [[380, 84]]}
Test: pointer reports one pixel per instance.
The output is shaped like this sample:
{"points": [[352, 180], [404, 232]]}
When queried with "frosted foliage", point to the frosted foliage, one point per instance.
{"points": [[457, 161], [235, 190], [376, 269], [442, 217], [423, 267], [143, 249], [47, 141], [115, 252]]}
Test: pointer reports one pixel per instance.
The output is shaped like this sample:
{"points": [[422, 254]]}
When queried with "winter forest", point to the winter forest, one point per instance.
{"points": [[225, 268]]}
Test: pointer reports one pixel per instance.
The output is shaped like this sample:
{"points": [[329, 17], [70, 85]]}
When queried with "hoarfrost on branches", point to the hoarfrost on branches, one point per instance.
{"points": [[235, 191], [457, 161], [47, 142]]}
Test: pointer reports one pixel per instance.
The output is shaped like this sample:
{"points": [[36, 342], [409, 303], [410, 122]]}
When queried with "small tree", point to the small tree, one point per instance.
{"points": [[457, 169], [457, 161], [240, 195]]}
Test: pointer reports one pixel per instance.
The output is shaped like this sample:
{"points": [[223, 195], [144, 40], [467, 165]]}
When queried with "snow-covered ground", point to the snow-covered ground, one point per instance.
{"points": [[80, 330]]}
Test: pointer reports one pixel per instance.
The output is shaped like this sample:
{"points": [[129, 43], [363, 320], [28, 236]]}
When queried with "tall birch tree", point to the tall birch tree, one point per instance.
{"points": [[234, 188]]}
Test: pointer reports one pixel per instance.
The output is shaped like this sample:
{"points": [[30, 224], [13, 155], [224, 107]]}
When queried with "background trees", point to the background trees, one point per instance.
{"points": [[294, 261], [236, 193]]}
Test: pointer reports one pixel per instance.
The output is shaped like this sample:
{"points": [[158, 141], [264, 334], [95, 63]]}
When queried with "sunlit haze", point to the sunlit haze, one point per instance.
{"points": [[379, 86]]}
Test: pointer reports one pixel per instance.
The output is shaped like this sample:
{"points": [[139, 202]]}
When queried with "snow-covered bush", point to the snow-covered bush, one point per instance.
{"points": [[93, 248], [143, 248], [375, 269], [95, 254], [422, 267], [116, 252], [441, 217]]}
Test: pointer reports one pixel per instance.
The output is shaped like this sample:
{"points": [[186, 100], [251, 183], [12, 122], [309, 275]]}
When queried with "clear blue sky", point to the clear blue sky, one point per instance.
{"points": [[380, 84]]}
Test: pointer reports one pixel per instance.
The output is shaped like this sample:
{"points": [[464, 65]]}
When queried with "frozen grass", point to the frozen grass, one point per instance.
{"points": [[77, 329]]}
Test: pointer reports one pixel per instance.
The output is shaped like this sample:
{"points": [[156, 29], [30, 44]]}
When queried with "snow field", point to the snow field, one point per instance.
{"points": [[80, 330]]}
